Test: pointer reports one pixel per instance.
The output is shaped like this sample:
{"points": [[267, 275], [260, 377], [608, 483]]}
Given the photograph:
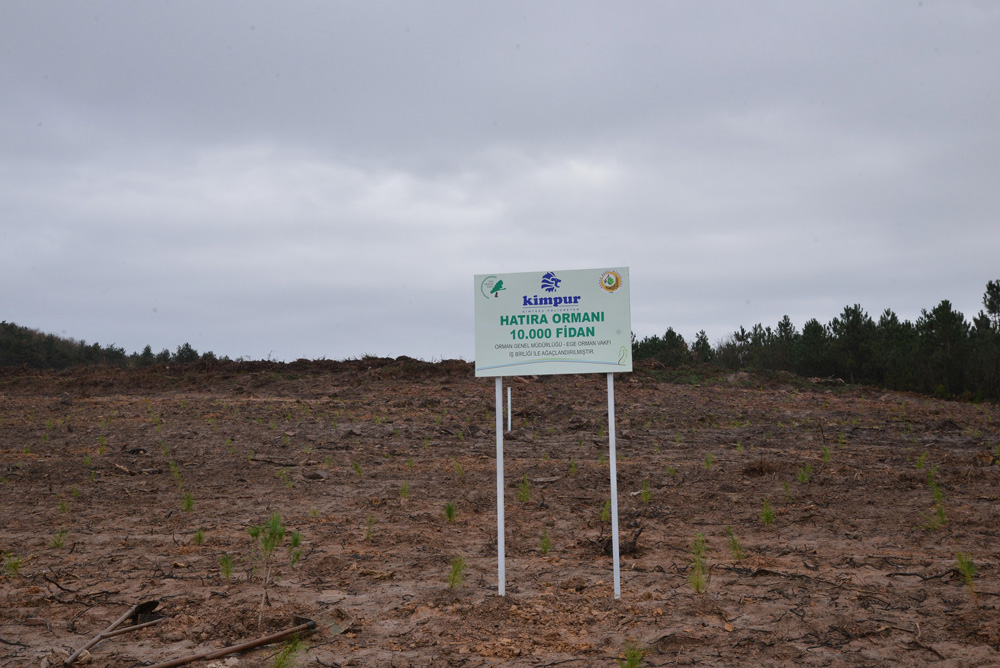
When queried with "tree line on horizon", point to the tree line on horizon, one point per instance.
{"points": [[24, 346], [941, 353]]}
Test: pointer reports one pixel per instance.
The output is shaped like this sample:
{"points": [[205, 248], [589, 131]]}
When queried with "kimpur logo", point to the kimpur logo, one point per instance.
{"points": [[611, 281], [550, 283], [491, 286]]}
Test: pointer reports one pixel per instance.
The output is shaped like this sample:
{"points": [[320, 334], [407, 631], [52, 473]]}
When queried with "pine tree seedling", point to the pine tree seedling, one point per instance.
{"points": [[803, 472], [294, 549], [645, 494], [457, 575], [59, 539], [709, 458], [370, 529], [825, 454], [285, 658], [931, 476], [12, 566], [545, 545], [767, 513], [939, 518], [449, 511], [606, 512], [524, 490], [459, 471], [733, 544], [572, 467], [698, 576], [968, 570], [285, 476], [226, 566], [267, 537], [698, 547], [357, 469], [187, 502], [404, 491], [921, 459], [633, 656]]}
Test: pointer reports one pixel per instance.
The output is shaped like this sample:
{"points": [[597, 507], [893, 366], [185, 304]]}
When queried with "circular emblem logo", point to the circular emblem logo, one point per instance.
{"points": [[491, 287], [611, 281]]}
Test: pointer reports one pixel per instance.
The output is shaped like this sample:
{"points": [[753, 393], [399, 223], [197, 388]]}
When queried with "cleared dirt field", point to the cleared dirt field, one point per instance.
{"points": [[106, 477]]}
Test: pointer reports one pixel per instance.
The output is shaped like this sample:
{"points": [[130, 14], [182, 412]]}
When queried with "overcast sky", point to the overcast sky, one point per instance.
{"points": [[323, 179]]}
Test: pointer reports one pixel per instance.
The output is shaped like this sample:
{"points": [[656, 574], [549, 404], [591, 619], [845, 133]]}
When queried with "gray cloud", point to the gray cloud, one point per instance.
{"points": [[317, 179]]}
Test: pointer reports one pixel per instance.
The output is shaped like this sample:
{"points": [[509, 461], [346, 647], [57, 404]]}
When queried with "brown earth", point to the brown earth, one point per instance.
{"points": [[856, 569]]}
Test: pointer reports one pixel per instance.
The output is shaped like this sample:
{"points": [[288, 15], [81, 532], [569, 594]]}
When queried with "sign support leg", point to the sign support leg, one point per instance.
{"points": [[614, 485], [501, 574], [509, 408]]}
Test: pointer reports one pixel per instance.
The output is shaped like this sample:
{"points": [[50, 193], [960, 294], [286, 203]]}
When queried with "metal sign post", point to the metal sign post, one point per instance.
{"points": [[501, 575], [549, 323], [616, 563], [509, 408]]}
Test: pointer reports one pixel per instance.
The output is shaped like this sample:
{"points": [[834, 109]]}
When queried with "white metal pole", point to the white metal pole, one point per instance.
{"points": [[509, 408], [614, 485], [501, 574]]}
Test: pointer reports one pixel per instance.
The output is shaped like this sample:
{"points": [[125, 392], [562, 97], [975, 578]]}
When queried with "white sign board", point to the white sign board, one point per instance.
{"points": [[553, 322]]}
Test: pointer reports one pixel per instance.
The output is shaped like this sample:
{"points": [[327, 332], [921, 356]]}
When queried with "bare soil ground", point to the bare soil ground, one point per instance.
{"points": [[857, 568]]}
